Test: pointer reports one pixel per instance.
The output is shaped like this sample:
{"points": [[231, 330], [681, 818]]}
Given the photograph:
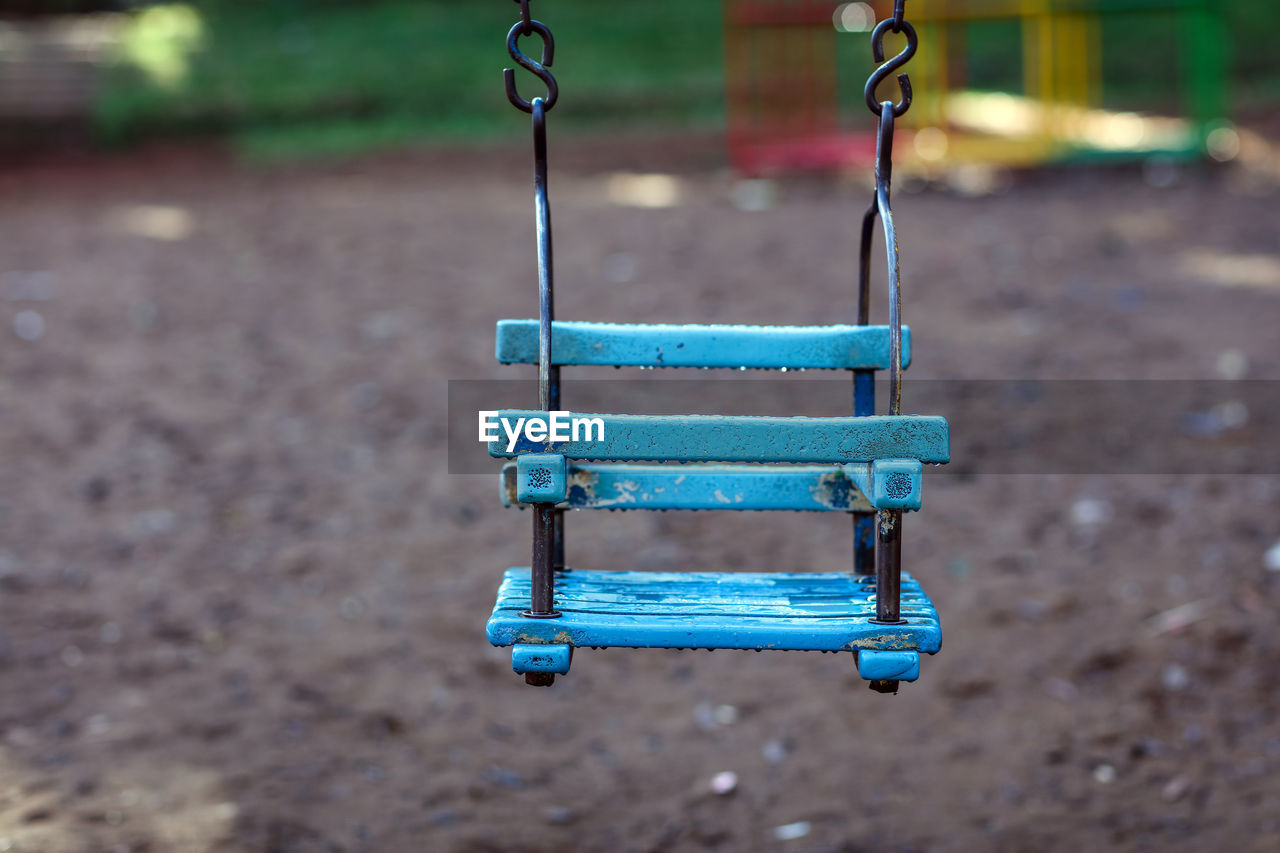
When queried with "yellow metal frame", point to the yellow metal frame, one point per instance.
{"points": [[1058, 112]]}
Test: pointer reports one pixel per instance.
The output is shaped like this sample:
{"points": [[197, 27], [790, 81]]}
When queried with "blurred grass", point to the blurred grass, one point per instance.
{"points": [[292, 77], [287, 78]]}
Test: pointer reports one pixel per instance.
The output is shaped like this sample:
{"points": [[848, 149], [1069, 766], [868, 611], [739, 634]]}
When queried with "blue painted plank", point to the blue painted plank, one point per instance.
{"points": [[724, 438], [738, 487], [750, 610], [638, 603], [669, 345], [794, 488]]}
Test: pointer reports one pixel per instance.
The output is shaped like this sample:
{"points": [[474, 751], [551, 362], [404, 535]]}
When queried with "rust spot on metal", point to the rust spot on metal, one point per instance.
{"points": [[886, 520]]}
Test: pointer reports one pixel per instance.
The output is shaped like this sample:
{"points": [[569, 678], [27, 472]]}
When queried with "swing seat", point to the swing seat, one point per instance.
{"points": [[862, 465], [779, 611], [834, 464]]}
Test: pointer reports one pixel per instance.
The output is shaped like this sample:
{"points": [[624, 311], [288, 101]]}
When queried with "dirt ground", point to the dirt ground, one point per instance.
{"points": [[242, 600]]}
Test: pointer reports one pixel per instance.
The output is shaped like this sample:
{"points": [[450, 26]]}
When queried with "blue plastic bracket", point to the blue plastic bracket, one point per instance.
{"points": [[889, 483], [541, 478], [874, 665], [526, 657]]}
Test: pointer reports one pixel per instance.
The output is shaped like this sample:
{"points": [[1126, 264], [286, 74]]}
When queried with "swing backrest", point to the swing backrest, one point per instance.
{"points": [[864, 463]]}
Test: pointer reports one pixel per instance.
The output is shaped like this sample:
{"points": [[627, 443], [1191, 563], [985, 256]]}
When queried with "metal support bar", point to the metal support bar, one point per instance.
{"points": [[864, 398], [557, 540], [548, 535], [889, 567], [557, 525], [542, 571], [889, 552], [864, 523], [546, 274], [864, 543], [884, 170]]}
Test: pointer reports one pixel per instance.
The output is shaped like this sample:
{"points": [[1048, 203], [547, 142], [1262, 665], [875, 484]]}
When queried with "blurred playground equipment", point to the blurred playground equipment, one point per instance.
{"points": [[1003, 82], [49, 66]]}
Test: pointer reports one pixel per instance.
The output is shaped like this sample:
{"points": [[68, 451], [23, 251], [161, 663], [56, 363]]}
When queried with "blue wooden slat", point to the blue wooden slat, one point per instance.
{"points": [[516, 598], [802, 605], [666, 345], [790, 583], [714, 610], [723, 438], [736, 487], [794, 488]]}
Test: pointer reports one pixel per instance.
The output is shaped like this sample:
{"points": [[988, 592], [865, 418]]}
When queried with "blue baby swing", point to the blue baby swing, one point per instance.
{"points": [[867, 465]]}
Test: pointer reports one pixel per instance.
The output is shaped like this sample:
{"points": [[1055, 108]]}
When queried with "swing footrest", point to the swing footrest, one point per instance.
{"points": [[828, 612]]}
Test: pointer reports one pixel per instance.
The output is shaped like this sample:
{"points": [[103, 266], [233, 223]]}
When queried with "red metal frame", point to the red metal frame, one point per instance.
{"points": [[781, 81]]}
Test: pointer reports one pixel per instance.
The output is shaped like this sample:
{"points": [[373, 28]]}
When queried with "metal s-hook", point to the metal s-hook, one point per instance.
{"points": [[539, 69], [882, 73]]}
